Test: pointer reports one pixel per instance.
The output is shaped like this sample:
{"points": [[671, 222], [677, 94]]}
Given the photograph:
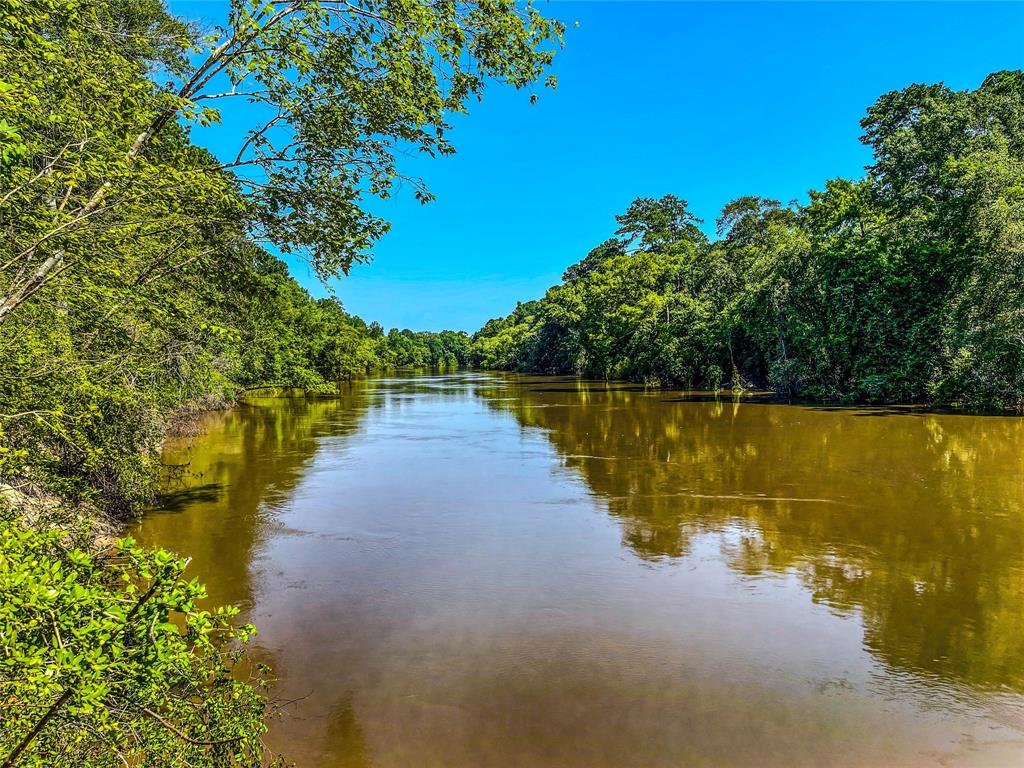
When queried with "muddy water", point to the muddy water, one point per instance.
{"points": [[481, 570]]}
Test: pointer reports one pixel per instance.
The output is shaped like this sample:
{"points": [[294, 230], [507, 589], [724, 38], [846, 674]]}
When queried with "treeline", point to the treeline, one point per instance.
{"points": [[904, 286], [426, 349], [136, 283]]}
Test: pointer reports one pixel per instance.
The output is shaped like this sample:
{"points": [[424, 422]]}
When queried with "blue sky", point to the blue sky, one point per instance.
{"points": [[705, 100]]}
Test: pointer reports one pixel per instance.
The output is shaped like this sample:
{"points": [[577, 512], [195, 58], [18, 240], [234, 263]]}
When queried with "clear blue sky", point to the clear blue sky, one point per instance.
{"points": [[705, 100]]}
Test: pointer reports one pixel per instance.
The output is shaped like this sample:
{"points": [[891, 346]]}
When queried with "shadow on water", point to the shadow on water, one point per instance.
{"points": [[915, 524], [176, 501]]}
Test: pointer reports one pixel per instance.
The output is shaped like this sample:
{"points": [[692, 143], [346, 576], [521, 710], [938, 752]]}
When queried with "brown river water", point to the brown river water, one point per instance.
{"points": [[476, 570]]}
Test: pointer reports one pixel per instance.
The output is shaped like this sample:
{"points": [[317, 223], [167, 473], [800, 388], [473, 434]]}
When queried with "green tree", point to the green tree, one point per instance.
{"points": [[338, 87], [905, 285]]}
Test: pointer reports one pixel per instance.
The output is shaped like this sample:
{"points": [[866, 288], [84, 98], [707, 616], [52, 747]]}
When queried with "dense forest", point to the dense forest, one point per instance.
{"points": [[138, 284], [904, 286]]}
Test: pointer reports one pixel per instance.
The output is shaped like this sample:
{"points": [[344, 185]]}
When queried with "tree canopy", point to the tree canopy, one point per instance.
{"points": [[96, 94]]}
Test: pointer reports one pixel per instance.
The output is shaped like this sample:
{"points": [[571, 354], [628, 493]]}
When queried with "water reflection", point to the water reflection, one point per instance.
{"points": [[345, 737], [915, 520], [234, 476]]}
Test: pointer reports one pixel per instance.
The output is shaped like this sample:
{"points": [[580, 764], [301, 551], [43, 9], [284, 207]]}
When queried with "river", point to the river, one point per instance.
{"points": [[475, 570]]}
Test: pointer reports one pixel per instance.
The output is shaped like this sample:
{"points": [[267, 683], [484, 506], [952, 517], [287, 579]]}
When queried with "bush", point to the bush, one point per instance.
{"points": [[108, 660]]}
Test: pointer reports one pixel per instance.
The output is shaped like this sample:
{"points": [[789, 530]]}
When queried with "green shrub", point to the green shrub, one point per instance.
{"points": [[107, 660]]}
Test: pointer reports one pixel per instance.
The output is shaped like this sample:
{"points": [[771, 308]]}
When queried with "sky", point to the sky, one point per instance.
{"points": [[705, 100]]}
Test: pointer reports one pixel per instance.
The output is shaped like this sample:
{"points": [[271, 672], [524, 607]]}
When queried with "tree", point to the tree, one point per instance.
{"points": [[905, 285], [659, 223], [135, 291], [338, 88]]}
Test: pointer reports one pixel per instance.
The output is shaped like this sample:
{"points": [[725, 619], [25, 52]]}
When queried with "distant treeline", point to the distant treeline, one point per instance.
{"points": [[906, 285]]}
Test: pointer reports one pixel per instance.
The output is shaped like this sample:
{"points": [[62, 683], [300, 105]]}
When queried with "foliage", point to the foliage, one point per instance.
{"points": [[132, 270], [108, 661], [337, 88], [447, 349], [907, 285]]}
